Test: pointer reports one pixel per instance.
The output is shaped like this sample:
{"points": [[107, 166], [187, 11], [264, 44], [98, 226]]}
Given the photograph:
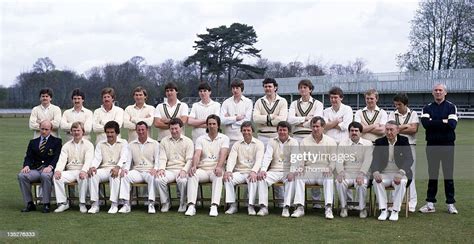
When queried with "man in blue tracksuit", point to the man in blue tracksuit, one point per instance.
{"points": [[439, 118]]}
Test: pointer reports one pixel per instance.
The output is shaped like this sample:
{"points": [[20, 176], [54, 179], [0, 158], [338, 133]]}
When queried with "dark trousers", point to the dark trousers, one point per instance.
{"points": [[443, 155]]}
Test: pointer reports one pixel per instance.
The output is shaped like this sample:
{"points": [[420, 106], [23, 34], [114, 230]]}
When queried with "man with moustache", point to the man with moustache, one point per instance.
{"points": [[107, 112]]}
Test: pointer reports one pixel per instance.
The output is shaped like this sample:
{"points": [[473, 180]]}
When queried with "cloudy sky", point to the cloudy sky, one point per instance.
{"points": [[81, 34]]}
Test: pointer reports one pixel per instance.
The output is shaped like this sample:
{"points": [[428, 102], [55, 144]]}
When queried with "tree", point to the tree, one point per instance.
{"points": [[43, 65], [441, 36], [356, 67], [221, 51]]}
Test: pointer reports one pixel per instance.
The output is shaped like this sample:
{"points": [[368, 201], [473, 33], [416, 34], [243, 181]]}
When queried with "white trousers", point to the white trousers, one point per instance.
{"points": [[204, 176], [272, 178], [69, 176], [240, 178], [170, 177], [398, 193], [413, 196], [361, 190], [326, 182], [104, 175], [135, 176]]}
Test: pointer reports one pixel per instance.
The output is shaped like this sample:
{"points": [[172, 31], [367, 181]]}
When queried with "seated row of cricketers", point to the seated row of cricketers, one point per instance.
{"points": [[175, 160]]}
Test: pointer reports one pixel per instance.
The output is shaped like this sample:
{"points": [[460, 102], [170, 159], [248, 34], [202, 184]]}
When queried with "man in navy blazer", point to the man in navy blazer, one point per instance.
{"points": [[40, 160], [391, 166]]}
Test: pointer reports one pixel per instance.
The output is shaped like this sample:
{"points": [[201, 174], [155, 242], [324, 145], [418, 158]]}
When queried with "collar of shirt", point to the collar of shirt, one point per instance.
{"points": [[81, 110], [148, 140], [323, 139], [341, 108], [240, 100], [168, 105], [279, 142], [253, 141], [210, 103], [277, 97], [110, 145], [176, 140], [105, 111], [137, 108], [80, 142], [45, 108], [408, 112], [376, 108], [392, 144], [311, 100], [219, 136], [43, 138]]}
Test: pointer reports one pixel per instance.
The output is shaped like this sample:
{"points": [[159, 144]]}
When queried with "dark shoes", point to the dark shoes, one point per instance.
{"points": [[46, 208], [29, 207]]}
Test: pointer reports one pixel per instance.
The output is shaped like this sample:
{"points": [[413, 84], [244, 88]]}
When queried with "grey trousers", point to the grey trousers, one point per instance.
{"points": [[35, 175]]}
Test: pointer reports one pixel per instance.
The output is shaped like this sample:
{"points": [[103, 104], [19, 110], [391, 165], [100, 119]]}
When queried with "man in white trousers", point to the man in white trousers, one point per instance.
{"points": [[74, 160], [318, 166], [391, 166], [275, 168], [408, 122], [352, 166], [141, 167], [210, 154], [243, 164], [109, 158], [176, 154]]}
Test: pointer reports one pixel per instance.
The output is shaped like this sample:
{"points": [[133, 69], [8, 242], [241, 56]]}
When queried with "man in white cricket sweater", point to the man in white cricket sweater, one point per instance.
{"points": [[317, 168], [176, 154], [371, 117], [169, 109], [303, 110], [352, 168], [210, 154], [74, 160], [142, 167], [45, 111], [107, 112], [109, 158], [140, 111], [275, 168], [77, 113], [235, 110], [243, 164]]}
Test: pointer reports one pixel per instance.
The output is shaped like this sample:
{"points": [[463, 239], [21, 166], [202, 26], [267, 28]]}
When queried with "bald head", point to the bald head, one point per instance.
{"points": [[45, 128]]}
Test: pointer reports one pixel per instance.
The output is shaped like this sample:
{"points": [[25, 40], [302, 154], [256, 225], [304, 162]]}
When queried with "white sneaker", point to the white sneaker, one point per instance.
{"points": [[165, 207], [263, 211], [363, 214], [151, 208], [394, 216], [452, 209], [251, 210], [82, 208], [286, 212], [343, 213], [191, 210], [317, 206], [213, 212], [232, 209], [328, 213], [182, 208], [299, 212], [125, 209], [351, 207], [383, 215], [94, 209], [62, 207], [113, 209], [428, 208]]}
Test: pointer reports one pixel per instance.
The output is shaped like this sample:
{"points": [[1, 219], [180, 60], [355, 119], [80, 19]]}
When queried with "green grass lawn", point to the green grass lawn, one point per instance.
{"points": [[174, 227]]}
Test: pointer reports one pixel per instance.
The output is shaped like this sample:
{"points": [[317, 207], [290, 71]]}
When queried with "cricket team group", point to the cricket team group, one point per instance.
{"points": [[306, 144]]}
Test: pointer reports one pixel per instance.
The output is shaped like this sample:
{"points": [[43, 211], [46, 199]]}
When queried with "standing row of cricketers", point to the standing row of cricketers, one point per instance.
{"points": [[230, 158]]}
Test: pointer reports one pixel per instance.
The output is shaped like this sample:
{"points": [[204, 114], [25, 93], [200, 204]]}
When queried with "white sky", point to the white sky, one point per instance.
{"points": [[81, 34]]}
